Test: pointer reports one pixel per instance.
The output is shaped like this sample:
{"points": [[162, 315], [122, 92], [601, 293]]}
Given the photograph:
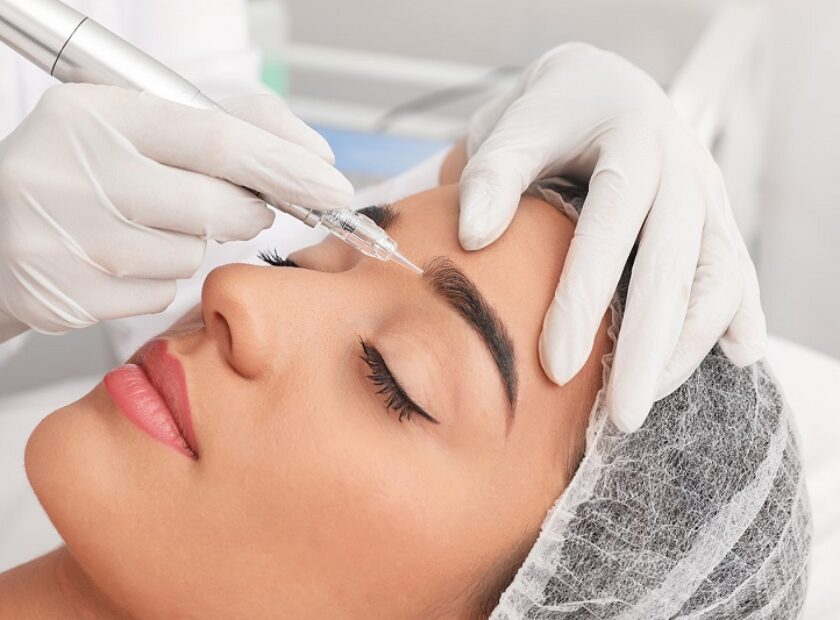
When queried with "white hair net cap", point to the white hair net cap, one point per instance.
{"points": [[702, 513]]}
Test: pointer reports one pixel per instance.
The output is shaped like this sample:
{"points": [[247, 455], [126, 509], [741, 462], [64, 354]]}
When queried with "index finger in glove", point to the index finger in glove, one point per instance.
{"points": [[170, 199], [612, 215], [657, 300], [483, 122], [494, 178], [272, 113], [715, 293], [745, 341], [135, 251], [220, 145]]}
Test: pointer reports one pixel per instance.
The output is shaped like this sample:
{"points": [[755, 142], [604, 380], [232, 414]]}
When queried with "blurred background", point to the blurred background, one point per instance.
{"points": [[389, 82]]}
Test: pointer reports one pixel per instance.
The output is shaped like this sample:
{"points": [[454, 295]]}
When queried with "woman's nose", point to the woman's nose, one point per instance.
{"points": [[237, 304]]}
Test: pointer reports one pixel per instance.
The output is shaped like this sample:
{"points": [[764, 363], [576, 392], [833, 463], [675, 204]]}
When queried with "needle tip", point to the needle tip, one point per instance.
{"points": [[402, 260]]}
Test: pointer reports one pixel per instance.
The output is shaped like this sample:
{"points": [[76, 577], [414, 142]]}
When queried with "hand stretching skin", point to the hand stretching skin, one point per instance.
{"points": [[589, 114]]}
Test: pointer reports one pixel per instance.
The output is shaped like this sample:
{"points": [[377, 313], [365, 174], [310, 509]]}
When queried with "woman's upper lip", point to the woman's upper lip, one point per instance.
{"points": [[166, 374]]}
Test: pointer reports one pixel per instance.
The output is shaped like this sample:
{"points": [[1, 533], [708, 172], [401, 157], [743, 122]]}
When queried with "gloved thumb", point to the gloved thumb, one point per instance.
{"points": [[493, 181], [272, 113]]}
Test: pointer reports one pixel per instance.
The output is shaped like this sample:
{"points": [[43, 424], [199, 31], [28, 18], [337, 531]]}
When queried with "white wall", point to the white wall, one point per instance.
{"points": [[800, 253]]}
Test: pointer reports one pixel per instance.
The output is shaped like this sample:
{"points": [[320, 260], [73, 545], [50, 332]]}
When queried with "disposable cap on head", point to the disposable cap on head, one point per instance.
{"points": [[702, 513]]}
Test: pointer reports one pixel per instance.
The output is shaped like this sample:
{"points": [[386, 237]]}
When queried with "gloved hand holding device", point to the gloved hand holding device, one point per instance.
{"points": [[592, 115], [107, 196]]}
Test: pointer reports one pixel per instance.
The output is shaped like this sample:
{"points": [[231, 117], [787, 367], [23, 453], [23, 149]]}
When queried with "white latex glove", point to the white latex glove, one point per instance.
{"points": [[589, 114], [107, 196]]}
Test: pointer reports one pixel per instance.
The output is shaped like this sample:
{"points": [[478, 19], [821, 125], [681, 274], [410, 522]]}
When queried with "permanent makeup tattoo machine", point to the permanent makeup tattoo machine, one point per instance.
{"points": [[73, 48]]}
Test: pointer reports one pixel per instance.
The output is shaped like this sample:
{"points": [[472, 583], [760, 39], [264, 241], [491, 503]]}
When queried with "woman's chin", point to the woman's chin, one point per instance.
{"points": [[65, 458], [72, 464], [102, 483]]}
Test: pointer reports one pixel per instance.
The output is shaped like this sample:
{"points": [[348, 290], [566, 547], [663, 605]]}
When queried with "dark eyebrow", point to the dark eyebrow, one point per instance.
{"points": [[462, 295]]}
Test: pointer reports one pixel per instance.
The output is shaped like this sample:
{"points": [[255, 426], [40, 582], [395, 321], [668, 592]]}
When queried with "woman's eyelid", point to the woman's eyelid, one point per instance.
{"points": [[393, 379], [415, 358], [411, 401]]}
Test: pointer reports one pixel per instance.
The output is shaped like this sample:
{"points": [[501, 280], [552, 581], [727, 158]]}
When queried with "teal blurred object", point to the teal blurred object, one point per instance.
{"points": [[269, 27], [374, 156], [275, 76]]}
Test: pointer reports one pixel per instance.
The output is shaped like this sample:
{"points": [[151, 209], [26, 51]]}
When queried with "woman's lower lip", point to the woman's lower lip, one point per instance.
{"points": [[142, 404]]}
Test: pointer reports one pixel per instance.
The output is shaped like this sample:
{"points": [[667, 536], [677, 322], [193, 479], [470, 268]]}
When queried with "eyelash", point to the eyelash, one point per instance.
{"points": [[275, 260], [380, 376]]}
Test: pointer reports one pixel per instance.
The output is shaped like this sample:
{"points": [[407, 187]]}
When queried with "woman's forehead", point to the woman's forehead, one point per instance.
{"points": [[526, 260], [517, 274], [427, 224]]}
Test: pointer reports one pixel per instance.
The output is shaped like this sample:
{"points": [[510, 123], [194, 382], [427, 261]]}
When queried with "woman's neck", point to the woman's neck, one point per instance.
{"points": [[52, 586]]}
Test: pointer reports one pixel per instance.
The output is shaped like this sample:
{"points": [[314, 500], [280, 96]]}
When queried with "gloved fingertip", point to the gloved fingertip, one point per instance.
{"points": [[319, 145], [473, 239], [742, 354], [252, 221], [299, 132], [625, 421], [628, 411], [343, 191], [482, 220], [558, 364], [668, 384], [327, 190], [566, 339], [264, 219]]}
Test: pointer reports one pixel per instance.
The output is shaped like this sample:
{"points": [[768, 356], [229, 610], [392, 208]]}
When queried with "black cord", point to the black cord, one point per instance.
{"points": [[438, 98]]}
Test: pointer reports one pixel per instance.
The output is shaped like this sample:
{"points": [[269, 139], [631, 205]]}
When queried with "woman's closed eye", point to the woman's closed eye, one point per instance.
{"points": [[381, 377], [396, 398]]}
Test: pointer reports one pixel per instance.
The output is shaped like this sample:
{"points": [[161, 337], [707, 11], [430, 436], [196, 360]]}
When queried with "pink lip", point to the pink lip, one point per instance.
{"points": [[153, 395]]}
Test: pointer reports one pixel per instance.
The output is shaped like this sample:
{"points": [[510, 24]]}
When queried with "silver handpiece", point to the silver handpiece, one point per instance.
{"points": [[73, 48]]}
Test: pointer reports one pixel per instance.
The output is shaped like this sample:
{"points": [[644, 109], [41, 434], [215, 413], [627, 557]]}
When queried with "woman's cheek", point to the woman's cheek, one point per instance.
{"points": [[363, 470]]}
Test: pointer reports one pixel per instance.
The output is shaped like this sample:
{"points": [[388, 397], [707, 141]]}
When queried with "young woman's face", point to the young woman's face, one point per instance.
{"points": [[310, 497]]}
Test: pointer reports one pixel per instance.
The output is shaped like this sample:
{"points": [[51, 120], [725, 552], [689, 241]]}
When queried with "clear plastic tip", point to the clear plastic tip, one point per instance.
{"points": [[402, 260], [362, 233]]}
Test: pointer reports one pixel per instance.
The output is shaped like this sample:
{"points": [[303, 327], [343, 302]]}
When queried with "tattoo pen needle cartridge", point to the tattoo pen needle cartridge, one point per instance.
{"points": [[361, 232]]}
